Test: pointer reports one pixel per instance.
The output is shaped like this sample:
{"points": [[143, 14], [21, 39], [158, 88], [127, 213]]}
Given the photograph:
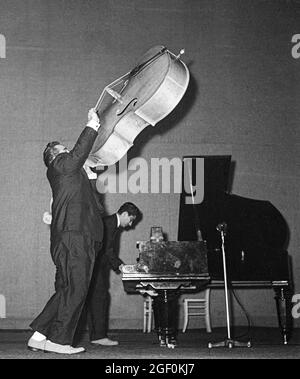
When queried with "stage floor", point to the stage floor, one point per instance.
{"points": [[133, 344]]}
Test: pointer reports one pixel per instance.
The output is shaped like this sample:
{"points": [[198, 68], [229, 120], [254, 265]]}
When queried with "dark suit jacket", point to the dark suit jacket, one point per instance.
{"points": [[74, 206], [111, 232]]}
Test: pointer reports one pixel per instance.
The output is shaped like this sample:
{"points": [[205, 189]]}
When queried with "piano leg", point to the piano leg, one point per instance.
{"points": [[283, 305], [165, 309]]}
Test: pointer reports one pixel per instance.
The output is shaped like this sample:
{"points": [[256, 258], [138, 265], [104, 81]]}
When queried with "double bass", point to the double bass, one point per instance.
{"points": [[142, 97]]}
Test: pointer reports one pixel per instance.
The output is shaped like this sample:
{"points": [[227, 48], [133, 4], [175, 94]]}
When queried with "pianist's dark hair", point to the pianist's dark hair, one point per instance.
{"points": [[49, 152], [131, 209]]}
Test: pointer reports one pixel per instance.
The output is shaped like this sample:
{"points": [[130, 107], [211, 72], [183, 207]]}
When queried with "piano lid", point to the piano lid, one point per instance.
{"points": [[256, 231], [253, 221]]}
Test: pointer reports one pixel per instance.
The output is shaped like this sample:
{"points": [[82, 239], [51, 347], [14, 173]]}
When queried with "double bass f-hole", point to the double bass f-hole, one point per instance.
{"points": [[131, 103]]}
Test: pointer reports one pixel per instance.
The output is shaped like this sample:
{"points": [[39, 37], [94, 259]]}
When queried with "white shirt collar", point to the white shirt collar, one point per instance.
{"points": [[118, 218]]}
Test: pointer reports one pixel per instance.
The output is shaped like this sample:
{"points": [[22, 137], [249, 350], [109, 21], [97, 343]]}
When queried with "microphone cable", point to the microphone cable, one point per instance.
{"points": [[249, 322]]}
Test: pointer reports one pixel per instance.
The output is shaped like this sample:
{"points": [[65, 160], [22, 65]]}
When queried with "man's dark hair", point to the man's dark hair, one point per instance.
{"points": [[131, 209], [49, 152]]}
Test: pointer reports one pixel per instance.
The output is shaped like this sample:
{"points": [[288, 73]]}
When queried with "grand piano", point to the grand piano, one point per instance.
{"points": [[256, 240]]}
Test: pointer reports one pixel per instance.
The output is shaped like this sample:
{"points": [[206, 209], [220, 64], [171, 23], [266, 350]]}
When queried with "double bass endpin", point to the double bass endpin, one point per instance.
{"points": [[181, 52]]}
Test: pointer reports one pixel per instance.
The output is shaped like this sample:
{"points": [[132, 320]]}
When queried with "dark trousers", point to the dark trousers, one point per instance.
{"points": [[74, 256], [165, 310], [98, 300]]}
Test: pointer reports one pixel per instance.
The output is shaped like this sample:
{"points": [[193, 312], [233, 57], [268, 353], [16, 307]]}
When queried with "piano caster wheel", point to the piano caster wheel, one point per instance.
{"points": [[249, 344], [209, 345]]}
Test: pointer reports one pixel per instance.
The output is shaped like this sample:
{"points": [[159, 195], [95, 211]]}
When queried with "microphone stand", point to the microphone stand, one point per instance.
{"points": [[228, 342]]}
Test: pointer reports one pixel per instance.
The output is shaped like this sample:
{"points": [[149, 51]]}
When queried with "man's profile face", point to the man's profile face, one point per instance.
{"points": [[126, 220]]}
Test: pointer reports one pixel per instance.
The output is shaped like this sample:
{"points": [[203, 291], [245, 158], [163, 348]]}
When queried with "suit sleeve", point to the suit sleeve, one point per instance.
{"points": [[75, 159], [97, 197], [109, 251], [113, 259]]}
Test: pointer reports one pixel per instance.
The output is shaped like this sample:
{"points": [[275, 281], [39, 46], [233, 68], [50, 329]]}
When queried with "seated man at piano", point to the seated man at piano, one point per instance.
{"points": [[99, 298]]}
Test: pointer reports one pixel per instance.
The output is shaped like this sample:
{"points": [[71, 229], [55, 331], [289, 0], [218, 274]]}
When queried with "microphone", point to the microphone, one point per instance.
{"points": [[222, 227]]}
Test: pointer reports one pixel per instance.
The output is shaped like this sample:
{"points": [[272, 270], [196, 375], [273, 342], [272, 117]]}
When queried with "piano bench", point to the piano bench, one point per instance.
{"points": [[148, 314], [197, 307]]}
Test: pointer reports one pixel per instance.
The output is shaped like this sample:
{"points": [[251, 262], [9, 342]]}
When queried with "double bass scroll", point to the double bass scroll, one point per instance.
{"points": [[142, 97]]}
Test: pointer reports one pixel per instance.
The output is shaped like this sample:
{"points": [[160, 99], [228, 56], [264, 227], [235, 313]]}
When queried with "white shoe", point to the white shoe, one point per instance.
{"points": [[105, 342], [51, 347], [35, 345]]}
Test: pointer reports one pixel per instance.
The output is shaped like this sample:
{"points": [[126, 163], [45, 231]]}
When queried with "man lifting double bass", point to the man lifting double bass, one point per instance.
{"points": [[142, 97]]}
